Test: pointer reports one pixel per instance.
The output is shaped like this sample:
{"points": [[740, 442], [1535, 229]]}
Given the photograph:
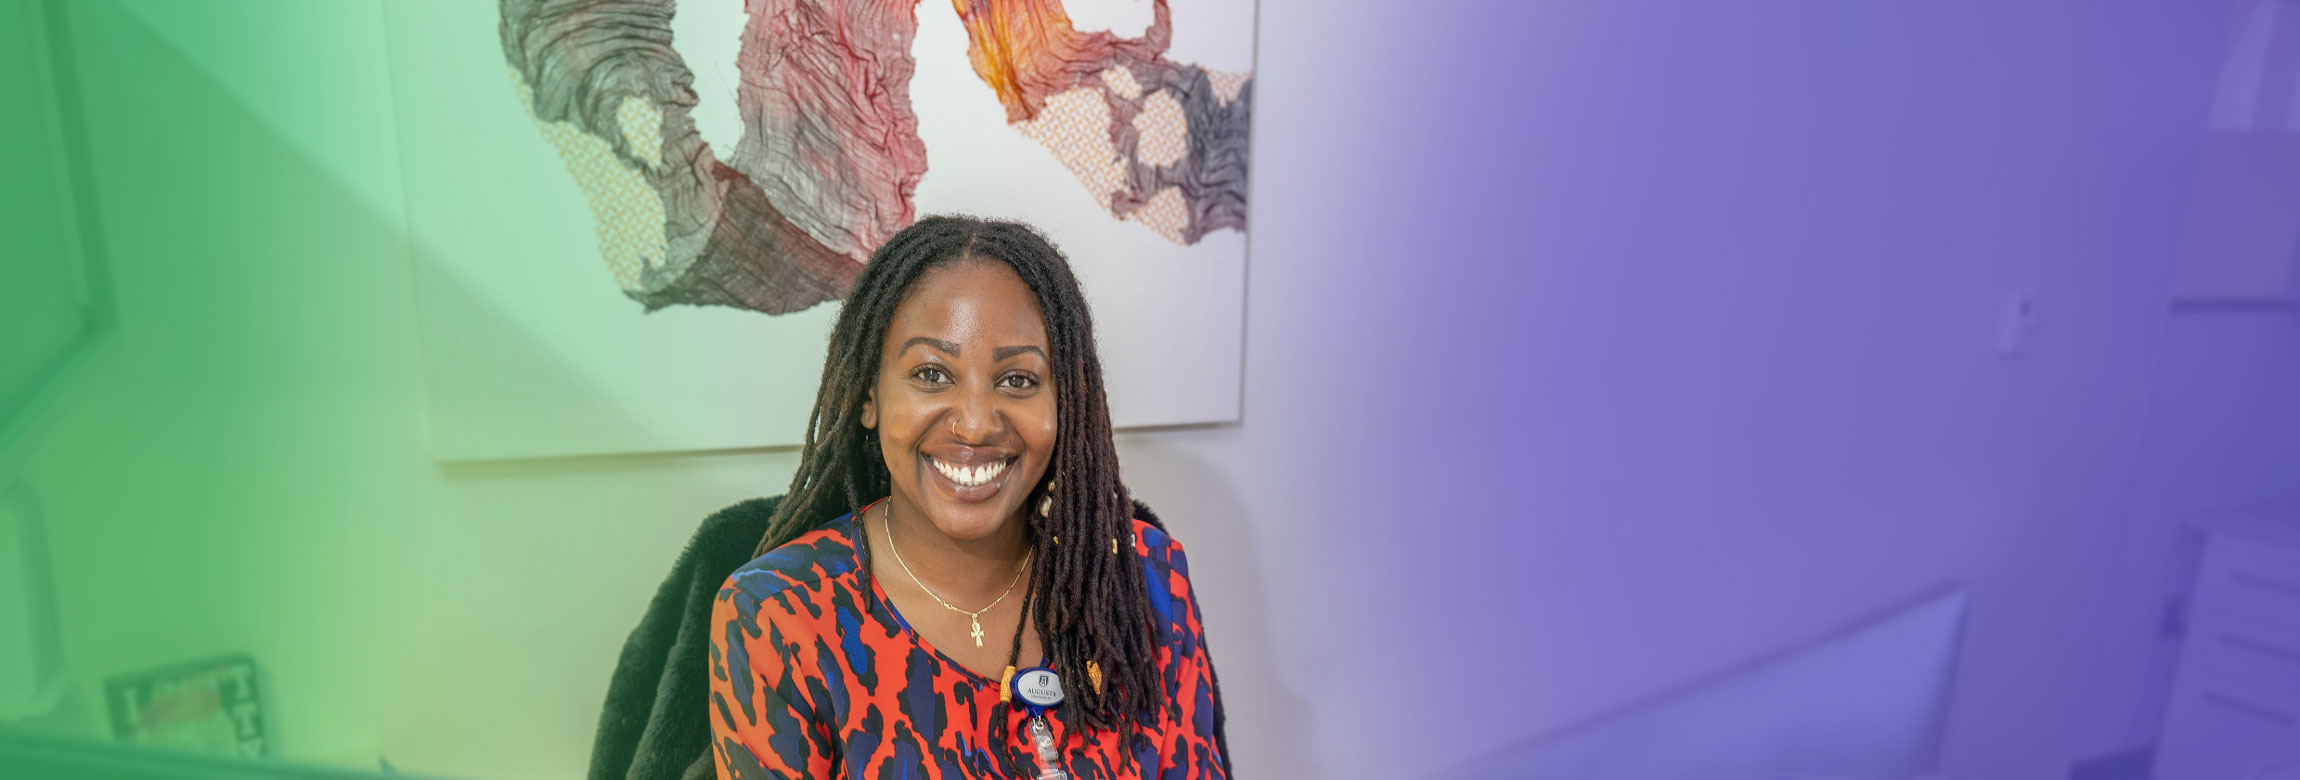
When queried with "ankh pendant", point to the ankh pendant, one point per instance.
{"points": [[977, 632]]}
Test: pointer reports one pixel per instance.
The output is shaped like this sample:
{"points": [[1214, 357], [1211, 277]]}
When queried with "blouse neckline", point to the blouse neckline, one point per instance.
{"points": [[858, 529]]}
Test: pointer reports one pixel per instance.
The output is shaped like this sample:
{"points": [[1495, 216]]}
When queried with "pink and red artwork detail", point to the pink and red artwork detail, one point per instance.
{"points": [[830, 155]]}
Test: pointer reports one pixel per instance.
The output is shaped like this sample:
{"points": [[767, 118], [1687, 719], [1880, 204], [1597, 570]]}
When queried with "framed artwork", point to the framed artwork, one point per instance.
{"points": [[2242, 248], [631, 222], [212, 705]]}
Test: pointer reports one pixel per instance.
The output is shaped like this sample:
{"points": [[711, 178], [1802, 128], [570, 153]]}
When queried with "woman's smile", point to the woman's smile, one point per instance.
{"points": [[970, 479]]}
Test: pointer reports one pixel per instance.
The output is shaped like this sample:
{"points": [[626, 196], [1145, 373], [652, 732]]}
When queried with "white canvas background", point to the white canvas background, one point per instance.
{"points": [[530, 350]]}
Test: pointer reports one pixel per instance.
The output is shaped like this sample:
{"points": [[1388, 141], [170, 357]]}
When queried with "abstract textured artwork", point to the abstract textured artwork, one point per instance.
{"points": [[631, 222], [831, 155]]}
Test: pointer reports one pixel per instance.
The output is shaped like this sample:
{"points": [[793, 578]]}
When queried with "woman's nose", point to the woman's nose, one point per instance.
{"points": [[976, 417]]}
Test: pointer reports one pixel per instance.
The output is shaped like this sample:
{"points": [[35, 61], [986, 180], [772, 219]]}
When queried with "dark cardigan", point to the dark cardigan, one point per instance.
{"points": [[655, 725]]}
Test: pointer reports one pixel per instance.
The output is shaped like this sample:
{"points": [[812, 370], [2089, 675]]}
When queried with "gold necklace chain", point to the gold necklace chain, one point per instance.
{"points": [[973, 617]]}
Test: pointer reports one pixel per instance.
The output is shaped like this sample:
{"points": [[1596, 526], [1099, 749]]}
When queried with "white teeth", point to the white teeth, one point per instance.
{"points": [[970, 476]]}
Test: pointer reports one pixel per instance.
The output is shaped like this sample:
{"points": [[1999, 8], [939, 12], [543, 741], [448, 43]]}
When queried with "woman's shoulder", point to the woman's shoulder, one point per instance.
{"points": [[816, 560], [1166, 575], [1154, 544]]}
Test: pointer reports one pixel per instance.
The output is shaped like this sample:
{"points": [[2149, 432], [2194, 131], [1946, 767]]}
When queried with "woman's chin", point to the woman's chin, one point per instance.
{"points": [[970, 522]]}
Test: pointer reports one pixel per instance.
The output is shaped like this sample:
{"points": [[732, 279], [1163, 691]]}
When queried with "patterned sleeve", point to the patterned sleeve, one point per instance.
{"points": [[761, 727], [1190, 750]]}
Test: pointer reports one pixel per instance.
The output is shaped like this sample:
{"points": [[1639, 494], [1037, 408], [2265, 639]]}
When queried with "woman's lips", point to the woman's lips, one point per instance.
{"points": [[975, 482]]}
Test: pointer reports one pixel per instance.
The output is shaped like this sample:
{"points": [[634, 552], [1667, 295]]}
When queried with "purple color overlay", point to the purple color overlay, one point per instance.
{"points": [[1639, 341]]}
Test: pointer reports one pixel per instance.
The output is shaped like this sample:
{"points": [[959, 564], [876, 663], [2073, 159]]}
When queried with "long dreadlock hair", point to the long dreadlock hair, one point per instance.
{"points": [[1090, 605]]}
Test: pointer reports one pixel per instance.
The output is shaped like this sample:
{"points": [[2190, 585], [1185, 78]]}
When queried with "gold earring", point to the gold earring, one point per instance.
{"points": [[1094, 675]]}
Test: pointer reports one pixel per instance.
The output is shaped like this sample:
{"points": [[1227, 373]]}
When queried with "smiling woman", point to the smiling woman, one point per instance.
{"points": [[963, 400]]}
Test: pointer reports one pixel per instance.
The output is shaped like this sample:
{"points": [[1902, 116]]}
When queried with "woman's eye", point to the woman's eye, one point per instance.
{"points": [[931, 375], [1017, 382]]}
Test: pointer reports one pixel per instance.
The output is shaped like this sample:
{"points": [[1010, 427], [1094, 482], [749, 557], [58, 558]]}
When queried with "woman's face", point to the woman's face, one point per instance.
{"points": [[964, 401]]}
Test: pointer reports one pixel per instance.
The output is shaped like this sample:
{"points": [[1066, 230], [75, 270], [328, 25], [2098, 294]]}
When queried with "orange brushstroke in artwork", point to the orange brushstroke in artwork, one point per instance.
{"points": [[1027, 50]]}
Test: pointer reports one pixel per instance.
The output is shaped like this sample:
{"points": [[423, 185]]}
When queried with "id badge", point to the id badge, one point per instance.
{"points": [[1040, 689]]}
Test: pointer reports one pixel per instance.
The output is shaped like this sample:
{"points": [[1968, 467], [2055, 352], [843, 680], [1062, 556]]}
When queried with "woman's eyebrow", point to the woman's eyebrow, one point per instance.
{"points": [[947, 347], [1003, 353]]}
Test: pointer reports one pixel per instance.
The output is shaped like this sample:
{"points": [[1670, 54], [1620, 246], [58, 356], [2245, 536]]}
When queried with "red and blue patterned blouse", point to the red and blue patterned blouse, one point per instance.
{"points": [[811, 679]]}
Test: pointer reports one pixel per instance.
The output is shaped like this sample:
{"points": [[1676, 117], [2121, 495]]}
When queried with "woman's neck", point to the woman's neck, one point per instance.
{"points": [[968, 570]]}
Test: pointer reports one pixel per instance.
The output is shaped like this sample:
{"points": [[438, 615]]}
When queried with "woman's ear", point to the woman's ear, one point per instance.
{"points": [[870, 409]]}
